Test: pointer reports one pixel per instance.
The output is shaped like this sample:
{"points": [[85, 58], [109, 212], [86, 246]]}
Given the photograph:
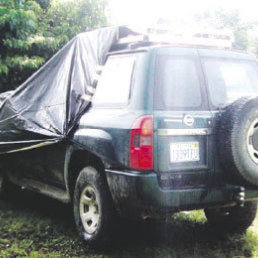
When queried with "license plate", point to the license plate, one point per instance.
{"points": [[184, 152]]}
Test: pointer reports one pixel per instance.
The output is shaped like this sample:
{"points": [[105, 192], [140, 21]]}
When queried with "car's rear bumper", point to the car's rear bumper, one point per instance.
{"points": [[135, 193]]}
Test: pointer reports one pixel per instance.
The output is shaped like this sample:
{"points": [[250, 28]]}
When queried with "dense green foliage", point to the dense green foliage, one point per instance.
{"points": [[32, 30]]}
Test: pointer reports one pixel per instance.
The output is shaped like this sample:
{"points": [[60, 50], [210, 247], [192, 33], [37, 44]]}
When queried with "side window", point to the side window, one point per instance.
{"points": [[178, 83], [114, 85]]}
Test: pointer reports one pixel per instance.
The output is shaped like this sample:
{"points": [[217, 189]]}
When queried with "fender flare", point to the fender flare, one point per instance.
{"points": [[94, 141]]}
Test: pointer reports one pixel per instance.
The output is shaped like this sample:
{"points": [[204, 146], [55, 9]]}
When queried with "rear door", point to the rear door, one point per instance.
{"points": [[182, 120]]}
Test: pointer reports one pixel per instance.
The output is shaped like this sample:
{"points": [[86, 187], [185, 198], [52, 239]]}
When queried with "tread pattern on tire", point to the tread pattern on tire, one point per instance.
{"points": [[93, 176], [228, 131]]}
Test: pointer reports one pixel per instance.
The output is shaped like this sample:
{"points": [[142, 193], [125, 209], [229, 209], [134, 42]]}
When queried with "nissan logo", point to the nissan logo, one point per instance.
{"points": [[188, 120]]}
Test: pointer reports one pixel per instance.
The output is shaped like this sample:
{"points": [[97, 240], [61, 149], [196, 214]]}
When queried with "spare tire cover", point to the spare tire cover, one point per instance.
{"points": [[238, 141]]}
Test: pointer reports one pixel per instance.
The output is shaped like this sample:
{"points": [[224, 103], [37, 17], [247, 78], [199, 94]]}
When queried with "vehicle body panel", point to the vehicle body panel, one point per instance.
{"points": [[104, 131]]}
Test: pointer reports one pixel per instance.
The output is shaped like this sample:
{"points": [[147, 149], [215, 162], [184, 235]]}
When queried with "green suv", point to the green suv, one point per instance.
{"points": [[170, 128]]}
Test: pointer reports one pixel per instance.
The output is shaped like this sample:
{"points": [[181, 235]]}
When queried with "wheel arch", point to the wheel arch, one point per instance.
{"points": [[75, 161], [89, 147]]}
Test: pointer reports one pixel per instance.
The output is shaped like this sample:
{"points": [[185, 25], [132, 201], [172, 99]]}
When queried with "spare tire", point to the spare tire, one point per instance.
{"points": [[238, 141]]}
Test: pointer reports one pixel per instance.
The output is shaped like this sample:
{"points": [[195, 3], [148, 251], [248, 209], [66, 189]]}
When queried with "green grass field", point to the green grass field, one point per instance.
{"points": [[36, 226]]}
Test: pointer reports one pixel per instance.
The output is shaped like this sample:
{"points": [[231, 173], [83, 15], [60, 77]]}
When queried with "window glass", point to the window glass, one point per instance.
{"points": [[229, 80], [178, 83], [115, 81]]}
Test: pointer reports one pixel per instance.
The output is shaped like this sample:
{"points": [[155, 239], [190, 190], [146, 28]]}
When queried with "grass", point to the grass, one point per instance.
{"points": [[36, 226]]}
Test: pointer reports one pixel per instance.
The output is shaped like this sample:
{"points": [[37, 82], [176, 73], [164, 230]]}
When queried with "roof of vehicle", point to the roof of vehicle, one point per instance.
{"points": [[209, 51], [136, 42]]}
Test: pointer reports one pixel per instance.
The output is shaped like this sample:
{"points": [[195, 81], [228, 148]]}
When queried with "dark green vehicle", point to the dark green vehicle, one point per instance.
{"points": [[170, 128]]}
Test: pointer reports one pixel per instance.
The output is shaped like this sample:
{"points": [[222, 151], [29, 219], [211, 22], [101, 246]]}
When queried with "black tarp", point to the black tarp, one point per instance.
{"points": [[47, 106]]}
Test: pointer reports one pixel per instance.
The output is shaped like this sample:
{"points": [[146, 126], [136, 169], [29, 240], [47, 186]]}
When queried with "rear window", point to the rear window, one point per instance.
{"points": [[115, 82], [177, 83], [229, 80]]}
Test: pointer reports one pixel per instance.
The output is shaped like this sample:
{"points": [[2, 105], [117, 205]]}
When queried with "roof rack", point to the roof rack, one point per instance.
{"points": [[208, 39]]}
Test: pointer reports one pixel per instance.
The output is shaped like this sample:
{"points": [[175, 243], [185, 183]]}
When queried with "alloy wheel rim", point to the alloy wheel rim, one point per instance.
{"points": [[89, 209], [249, 140]]}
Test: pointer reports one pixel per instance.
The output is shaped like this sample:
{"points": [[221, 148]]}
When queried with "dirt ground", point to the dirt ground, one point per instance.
{"points": [[36, 226]]}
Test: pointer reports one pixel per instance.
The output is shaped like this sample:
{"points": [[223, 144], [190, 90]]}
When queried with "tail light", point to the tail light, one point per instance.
{"points": [[141, 143]]}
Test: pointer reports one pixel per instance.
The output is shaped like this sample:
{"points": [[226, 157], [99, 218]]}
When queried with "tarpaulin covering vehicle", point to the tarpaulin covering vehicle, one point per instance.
{"points": [[46, 107]]}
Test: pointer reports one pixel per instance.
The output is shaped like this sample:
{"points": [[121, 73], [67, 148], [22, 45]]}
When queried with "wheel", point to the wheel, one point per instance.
{"points": [[238, 141], [93, 207], [232, 219]]}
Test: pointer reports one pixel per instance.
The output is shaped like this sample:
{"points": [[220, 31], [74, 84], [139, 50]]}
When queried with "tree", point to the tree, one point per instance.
{"points": [[18, 20], [31, 31], [228, 19], [232, 20], [70, 18], [43, 3]]}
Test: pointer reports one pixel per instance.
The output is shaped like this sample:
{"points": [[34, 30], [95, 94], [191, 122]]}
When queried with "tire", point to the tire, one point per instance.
{"points": [[93, 207], [237, 138], [232, 219]]}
